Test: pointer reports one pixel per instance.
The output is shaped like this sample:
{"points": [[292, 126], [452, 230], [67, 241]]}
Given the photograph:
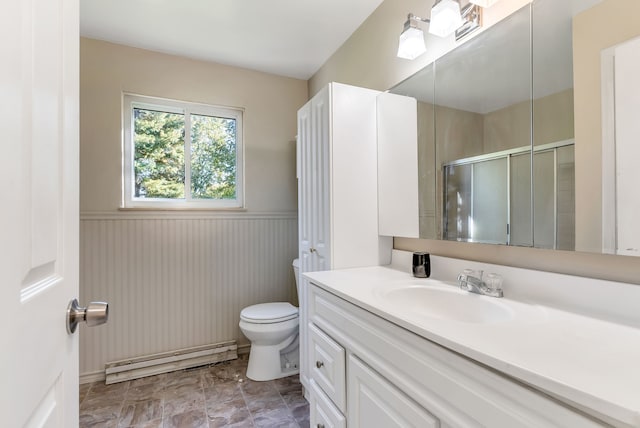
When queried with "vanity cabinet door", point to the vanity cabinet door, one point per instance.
{"points": [[374, 402]]}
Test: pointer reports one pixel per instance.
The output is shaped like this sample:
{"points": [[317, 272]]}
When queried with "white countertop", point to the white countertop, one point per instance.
{"points": [[589, 363]]}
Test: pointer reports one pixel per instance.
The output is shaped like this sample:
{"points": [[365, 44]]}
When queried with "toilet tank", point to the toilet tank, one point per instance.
{"points": [[296, 269]]}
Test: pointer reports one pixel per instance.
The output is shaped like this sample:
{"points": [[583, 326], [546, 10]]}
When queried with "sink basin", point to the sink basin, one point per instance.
{"points": [[448, 303]]}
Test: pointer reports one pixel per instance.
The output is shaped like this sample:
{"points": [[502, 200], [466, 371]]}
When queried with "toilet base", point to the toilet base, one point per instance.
{"points": [[270, 362]]}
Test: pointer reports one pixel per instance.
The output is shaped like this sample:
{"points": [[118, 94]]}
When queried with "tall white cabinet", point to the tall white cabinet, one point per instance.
{"points": [[337, 189]]}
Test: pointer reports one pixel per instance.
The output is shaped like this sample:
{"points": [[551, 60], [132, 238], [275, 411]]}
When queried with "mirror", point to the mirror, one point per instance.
{"points": [[496, 133]]}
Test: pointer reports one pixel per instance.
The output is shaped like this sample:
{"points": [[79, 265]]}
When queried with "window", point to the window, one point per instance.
{"points": [[179, 154]]}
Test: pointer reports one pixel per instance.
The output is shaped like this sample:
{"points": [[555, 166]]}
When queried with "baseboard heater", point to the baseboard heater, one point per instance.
{"points": [[149, 365]]}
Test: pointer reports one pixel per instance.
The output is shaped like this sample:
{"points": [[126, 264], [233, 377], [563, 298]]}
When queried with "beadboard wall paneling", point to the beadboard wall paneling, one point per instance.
{"points": [[177, 280]]}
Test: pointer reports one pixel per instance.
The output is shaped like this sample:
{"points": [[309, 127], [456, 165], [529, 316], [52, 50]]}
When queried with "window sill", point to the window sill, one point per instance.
{"points": [[191, 208], [186, 214]]}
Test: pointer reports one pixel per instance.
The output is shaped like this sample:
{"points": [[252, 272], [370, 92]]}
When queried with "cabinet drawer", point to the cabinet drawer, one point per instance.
{"points": [[373, 401], [327, 365], [323, 412]]}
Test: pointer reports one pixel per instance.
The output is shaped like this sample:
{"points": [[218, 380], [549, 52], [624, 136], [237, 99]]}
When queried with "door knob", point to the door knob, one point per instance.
{"points": [[95, 313]]}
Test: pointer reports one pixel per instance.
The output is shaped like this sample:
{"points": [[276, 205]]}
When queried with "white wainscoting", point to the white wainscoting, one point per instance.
{"points": [[178, 280]]}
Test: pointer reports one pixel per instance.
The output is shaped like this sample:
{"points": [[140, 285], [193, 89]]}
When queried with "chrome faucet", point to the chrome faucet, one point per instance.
{"points": [[472, 282]]}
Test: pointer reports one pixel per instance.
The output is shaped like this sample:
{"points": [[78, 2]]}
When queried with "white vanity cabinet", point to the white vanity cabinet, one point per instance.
{"points": [[395, 378], [337, 188]]}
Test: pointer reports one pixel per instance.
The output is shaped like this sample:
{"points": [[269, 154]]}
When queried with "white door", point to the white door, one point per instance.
{"points": [[627, 147], [39, 217], [313, 196], [318, 172], [314, 130], [305, 187], [305, 232], [620, 66]]}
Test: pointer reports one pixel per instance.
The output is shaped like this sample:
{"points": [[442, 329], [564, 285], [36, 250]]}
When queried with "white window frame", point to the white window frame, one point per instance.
{"points": [[131, 101]]}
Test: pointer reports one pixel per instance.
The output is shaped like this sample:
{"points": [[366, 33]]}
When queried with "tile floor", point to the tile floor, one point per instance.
{"points": [[219, 395]]}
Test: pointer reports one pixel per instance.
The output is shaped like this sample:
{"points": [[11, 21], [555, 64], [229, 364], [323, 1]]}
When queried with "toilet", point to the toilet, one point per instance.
{"points": [[272, 329]]}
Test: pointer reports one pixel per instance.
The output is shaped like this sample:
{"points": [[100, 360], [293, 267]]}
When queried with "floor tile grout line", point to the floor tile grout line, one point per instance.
{"points": [[85, 395], [204, 398], [289, 409], [246, 404]]}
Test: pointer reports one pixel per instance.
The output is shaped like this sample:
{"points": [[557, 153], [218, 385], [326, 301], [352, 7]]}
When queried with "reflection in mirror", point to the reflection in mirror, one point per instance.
{"points": [[482, 120], [496, 133], [553, 133], [426, 153]]}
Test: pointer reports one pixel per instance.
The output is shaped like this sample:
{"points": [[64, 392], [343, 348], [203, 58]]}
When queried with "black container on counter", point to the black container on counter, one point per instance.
{"points": [[421, 265]]}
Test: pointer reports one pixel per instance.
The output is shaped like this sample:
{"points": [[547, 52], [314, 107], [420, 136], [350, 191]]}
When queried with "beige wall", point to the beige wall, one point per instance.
{"points": [[590, 38], [510, 127], [459, 134], [180, 279], [507, 128], [426, 171], [368, 59], [553, 118], [270, 103]]}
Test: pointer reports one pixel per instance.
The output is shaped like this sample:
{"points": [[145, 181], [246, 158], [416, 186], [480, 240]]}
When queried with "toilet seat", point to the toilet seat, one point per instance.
{"points": [[269, 313]]}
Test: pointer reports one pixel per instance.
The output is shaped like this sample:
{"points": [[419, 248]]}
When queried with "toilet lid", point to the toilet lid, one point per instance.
{"points": [[265, 313]]}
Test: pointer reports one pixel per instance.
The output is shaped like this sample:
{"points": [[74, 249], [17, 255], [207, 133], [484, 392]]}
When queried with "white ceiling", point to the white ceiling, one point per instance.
{"points": [[285, 37]]}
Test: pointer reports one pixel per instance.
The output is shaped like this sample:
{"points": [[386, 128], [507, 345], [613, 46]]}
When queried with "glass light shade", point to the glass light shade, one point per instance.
{"points": [[411, 43], [483, 3], [445, 18]]}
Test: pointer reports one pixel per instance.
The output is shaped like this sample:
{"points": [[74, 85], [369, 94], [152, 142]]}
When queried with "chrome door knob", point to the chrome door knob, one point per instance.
{"points": [[319, 364], [95, 313]]}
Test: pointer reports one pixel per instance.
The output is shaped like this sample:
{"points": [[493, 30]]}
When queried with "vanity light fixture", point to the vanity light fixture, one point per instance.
{"points": [[471, 20], [411, 43], [446, 18]]}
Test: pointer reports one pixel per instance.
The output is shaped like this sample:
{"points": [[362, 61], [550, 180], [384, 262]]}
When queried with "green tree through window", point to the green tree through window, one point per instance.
{"points": [[213, 157], [159, 154], [184, 153]]}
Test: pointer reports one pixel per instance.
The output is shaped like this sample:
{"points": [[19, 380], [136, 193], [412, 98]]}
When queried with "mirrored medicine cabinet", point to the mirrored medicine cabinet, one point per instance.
{"points": [[496, 140]]}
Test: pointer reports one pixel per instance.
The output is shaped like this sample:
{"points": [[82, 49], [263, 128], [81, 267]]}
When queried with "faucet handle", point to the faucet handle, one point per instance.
{"points": [[493, 282], [464, 275], [472, 273]]}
